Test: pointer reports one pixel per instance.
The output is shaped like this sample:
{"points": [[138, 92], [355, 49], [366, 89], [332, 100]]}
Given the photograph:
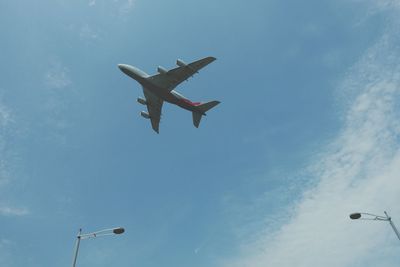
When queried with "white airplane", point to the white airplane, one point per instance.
{"points": [[160, 87]]}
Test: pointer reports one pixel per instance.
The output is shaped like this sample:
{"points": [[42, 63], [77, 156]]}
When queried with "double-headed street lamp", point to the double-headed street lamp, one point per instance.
{"points": [[80, 236], [373, 217]]}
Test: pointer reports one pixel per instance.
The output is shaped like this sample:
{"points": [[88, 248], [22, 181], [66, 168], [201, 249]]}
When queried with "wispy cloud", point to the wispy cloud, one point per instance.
{"points": [[386, 3], [5, 242], [6, 126], [6, 248], [358, 171], [125, 5], [11, 211], [5, 116], [58, 83], [115, 9], [57, 76], [87, 33]]}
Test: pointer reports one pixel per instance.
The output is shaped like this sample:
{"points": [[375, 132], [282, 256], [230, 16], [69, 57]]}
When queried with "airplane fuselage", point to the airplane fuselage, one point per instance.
{"points": [[166, 94]]}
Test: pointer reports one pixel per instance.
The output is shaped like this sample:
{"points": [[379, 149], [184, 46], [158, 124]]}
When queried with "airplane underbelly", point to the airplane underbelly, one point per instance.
{"points": [[167, 96], [157, 91]]}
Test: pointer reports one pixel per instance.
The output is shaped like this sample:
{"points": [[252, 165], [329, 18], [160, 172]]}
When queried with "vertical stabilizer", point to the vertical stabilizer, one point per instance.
{"points": [[196, 119]]}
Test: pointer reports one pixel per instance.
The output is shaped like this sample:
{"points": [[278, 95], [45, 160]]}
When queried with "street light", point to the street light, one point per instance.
{"points": [[373, 217], [80, 236]]}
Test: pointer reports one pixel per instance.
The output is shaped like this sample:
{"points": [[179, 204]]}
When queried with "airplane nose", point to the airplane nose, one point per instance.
{"points": [[124, 68], [131, 71], [121, 66]]}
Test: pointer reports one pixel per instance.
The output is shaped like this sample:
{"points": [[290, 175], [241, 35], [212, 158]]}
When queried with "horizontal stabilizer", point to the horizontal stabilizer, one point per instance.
{"points": [[203, 108]]}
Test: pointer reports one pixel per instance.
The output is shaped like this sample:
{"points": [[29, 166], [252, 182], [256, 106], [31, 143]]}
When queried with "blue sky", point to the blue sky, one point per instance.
{"points": [[308, 128]]}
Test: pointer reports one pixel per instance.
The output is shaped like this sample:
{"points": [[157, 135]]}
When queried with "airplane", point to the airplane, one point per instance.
{"points": [[160, 87]]}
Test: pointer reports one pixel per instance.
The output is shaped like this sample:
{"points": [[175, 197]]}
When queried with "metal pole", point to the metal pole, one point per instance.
{"points": [[393, 226], [78, 241]]}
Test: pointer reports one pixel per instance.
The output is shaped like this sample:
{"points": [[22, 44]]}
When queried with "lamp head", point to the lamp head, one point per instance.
{"points": [[355, 216], [118, 231]]}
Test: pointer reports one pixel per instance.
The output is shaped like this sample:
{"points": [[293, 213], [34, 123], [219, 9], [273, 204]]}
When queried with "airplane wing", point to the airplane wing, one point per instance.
{"points": [[154, 106], [173, 77]]}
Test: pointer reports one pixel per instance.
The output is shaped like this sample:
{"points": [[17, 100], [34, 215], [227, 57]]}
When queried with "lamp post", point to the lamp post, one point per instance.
{"points": [[373, 217], [80, 236]]}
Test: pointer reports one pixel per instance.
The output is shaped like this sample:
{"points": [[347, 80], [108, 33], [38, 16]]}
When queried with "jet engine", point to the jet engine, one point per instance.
{"points": [[180, 63], [162, 70], [145, 115], [141, 101]]}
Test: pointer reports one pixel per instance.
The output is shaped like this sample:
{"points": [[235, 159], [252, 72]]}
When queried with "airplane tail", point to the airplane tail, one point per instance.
{"points": [[203, 108]]}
